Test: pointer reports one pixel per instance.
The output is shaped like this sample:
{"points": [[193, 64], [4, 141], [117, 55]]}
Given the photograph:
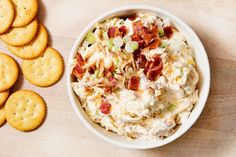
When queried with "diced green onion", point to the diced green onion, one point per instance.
{"points": [[161, 32], [117, 49], [117, 62], [90, 37], [105, 36], [126, 39], [131, 46], [181, 71], [171, 107], [134, 45], [96, 73], [110, 44], [163, 45]]}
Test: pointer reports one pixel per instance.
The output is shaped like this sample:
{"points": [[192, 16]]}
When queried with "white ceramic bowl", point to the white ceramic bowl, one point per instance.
{"points": [[203, 68]]}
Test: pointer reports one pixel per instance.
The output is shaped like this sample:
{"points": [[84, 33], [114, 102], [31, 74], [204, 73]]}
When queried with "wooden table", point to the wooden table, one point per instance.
{"points": [[62, 134]]}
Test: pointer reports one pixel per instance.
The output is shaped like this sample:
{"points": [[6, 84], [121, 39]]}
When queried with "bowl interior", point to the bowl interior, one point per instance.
{"points": [[202, 65]]}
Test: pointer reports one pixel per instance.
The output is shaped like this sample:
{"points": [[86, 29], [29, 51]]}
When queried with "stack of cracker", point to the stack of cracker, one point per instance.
{"points": [[42, 65]]}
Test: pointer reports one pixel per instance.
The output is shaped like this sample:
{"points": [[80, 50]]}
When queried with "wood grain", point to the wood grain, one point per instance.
{"points": [[62, 134]]}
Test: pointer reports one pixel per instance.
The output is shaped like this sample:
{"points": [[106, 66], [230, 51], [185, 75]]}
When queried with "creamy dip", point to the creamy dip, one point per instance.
{"points": [[136, 76]]}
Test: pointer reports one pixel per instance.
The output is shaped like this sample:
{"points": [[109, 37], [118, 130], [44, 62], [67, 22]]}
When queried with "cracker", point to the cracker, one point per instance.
{"points": [[45, 70], [6, 15], [8, 72], [2, 115], [3, 97], [26, 11], [34, 48], [25, 110], [20, 36]]}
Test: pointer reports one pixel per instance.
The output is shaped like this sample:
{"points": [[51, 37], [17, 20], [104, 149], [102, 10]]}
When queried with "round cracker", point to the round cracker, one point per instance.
{"points": [[34, 48], [8, 72], [2, 115], [25, 110], [20, 36], [6, 15], [3, 97], [45, 70], [26, 11]]}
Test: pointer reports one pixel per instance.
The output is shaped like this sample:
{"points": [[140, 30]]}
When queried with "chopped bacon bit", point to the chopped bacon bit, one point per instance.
{"points": [[154, 31], [141, 61], [147, 38], [112, 81], [137, 27], [111, 68], [154, 44], [107, 89], [145, 29], [156, 57], [132, 17], [147, 65], [133, 83], [113, 32], [105, 107], [168, 31], [78, 69], [154, 72], [141, 34], [123, 30], [156, 62], [141, 44], [145, 70], [91, 69], [80, 59], [109, 71], [135, 37], [136, 54], [153, 68], [108, 74], [88, 89]]}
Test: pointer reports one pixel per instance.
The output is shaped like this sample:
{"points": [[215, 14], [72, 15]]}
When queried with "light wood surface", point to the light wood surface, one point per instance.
{"points": [[62, 134]]}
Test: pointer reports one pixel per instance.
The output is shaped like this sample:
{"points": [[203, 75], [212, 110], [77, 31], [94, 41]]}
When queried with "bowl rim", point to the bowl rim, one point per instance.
{"points": [[74, 51]]}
